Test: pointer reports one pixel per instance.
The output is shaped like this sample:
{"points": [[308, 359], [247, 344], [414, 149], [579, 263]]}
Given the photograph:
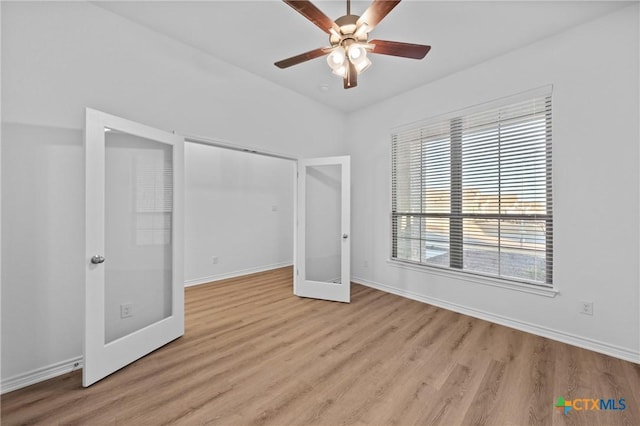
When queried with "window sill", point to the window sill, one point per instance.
{"points": [[477, 279]]}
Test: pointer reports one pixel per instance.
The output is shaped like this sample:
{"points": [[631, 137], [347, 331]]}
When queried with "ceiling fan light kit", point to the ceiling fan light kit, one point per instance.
{"points": [[348, 38], [355, 53]]}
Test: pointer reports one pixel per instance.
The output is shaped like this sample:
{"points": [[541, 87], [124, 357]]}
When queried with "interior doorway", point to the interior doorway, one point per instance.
{"points": [[239, 211]]}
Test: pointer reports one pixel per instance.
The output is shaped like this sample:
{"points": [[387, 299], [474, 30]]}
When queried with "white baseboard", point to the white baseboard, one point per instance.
{"points": [[40, 374], [561, 336], [211, 278]]}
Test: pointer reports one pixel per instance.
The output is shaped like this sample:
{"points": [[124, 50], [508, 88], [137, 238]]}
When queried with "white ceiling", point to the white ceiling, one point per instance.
{"points": [[254, 34]]}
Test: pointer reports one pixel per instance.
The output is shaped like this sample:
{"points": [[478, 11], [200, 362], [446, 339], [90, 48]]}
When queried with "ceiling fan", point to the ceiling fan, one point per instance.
{"points": [[348, 37]]}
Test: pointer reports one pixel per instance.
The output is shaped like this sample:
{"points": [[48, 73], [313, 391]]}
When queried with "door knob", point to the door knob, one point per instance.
{"points": [[97, 259], [345, 236]]}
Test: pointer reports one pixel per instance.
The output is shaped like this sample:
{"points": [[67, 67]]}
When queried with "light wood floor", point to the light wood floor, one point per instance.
{"points": [[255, 354]]}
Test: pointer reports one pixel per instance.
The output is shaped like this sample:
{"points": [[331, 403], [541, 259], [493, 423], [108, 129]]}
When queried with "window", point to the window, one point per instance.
{"points": [[472, 191]]}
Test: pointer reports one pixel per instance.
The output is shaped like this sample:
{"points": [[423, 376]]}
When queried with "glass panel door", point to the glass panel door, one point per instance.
{"points": [[323, 247], [134, 277]]}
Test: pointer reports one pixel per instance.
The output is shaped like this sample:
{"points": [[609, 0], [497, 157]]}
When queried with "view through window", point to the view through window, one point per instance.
{"points": [[472, 192]]}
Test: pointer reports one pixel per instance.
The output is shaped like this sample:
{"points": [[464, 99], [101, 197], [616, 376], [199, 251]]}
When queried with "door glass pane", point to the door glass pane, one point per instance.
{"points": [[138, 224], [323, 223]]}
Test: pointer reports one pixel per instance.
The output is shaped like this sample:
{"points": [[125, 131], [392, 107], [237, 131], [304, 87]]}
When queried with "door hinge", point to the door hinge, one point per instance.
{"points": [[297, 272]]}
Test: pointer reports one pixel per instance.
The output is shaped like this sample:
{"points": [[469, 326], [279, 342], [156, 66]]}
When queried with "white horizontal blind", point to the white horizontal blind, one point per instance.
{"points": [[154, 183], [473, 192], [153, 197]]}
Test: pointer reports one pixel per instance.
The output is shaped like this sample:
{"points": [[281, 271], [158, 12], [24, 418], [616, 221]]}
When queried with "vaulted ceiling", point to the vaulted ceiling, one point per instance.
{"points": [[254, 34]]}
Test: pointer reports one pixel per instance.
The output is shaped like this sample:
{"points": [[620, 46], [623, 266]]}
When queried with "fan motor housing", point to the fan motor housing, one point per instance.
{"points": [[348, 26]]}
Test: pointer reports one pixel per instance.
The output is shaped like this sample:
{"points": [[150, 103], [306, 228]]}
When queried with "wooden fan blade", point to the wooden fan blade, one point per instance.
{"points": [[396, 48], [351, 79], [315, 15], [303, 57], [376, 12]]}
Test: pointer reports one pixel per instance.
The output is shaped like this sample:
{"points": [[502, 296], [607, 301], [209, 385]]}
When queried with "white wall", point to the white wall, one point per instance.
{"points": [[42, 247], [239, 208], [58, 58], [594, 71]]}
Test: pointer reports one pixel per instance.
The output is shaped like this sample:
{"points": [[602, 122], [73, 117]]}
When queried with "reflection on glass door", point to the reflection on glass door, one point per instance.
{"points": [[138, 218], [322, 223]]}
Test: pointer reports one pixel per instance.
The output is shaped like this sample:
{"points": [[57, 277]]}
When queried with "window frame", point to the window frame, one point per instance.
{"points": [[546, 287]]}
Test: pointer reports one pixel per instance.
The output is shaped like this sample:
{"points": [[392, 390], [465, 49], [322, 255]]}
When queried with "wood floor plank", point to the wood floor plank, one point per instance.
{"points": [[255, 354], [486, 400], [372, 372]]}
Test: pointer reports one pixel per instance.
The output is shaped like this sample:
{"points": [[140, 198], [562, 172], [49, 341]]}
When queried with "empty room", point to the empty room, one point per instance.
{"points": [[320, 212]]}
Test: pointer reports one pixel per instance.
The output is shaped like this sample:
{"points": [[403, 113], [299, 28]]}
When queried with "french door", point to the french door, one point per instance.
{"points": [[134, 291], [322, 259]]}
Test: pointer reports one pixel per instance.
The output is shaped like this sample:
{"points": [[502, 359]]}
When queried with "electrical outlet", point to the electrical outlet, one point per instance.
{"points": [[274, 208], [126, 310], [365, 264], [214, 259], [586, 308]]}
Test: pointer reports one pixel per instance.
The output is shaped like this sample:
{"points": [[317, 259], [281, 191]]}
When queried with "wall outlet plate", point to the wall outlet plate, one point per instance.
{"points": [[126, 310], [586, 307]]}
